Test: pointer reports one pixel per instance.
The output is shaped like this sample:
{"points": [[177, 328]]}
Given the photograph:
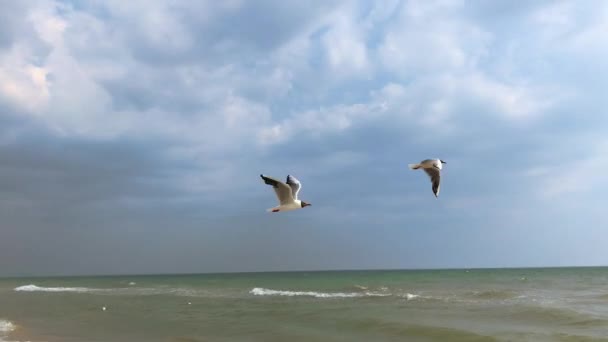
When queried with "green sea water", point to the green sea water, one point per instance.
{"points": [[550, 304]]}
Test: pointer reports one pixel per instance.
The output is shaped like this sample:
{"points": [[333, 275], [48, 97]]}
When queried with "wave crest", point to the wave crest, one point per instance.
{"points": [[34, 288], [410, 296], [259, 291], [6, 326]]}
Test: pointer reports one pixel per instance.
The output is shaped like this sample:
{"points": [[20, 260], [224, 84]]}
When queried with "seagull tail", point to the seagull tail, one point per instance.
{"points": [[414, 166]]}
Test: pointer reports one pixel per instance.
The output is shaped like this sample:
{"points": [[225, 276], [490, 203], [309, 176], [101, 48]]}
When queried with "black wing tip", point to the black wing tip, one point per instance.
{"points": [[269, 181]]}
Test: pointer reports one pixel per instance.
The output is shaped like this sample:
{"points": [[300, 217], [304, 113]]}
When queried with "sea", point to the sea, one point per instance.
{"points": [[533, 304]]}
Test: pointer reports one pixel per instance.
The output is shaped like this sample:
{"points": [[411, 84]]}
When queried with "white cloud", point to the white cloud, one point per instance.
{"points": [[444, 100], [94, 83], [207, 90], [319, 122], [23, 84], [512, 101], [345, 44], [66, 87], [572, 176], [565, 28], [426, 38], [440, 99]]}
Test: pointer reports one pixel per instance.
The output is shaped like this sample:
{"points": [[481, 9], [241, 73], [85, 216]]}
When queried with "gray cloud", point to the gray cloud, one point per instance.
{"points": [[132, 135], [12, 21]]}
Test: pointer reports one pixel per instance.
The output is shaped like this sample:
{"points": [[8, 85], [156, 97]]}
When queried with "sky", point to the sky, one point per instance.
{"points": [[133, 134]]}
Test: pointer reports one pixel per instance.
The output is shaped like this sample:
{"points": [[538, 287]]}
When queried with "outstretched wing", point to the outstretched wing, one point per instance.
{"points": [[435, 179], [282, 190], [295, 186]]}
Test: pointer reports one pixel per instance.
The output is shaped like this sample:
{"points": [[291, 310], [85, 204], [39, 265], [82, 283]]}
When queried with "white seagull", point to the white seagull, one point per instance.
{"points": [[433, 168], [287, 193]]}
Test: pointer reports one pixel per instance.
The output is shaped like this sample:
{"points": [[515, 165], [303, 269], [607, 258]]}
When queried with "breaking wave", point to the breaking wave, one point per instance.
{"points": [[410, 296], [362, 292], [258, 291], [6, 327], [34, 288]]}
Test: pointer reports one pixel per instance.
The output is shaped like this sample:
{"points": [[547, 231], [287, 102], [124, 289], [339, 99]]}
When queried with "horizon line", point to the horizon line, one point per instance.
{"points": [[294, 271]]}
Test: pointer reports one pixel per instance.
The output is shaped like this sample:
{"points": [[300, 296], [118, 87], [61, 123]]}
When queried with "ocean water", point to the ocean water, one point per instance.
{"points": [[551, 304]]}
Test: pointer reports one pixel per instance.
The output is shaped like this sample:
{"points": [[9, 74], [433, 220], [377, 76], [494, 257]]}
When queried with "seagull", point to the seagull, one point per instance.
{"points": [[432, 167], [287, 193]]}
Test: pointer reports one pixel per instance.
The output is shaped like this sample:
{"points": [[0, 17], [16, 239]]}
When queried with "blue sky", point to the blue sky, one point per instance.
{"points": [[132, 134]]}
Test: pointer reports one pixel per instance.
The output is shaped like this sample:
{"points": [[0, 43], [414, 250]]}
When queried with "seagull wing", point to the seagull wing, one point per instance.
{"points": [[435, 179], [283, 191], [295, 186]]}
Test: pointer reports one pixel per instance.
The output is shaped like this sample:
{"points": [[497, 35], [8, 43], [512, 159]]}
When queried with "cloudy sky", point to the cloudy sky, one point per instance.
{"points": [[133, 133]]}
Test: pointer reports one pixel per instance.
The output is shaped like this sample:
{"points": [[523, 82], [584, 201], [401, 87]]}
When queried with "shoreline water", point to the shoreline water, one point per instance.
{"points": [[6, 328], [13, 332], [504, 304]]}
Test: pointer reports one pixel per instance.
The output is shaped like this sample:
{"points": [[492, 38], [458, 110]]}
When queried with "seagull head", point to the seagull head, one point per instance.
{"points": [[304, 204]]}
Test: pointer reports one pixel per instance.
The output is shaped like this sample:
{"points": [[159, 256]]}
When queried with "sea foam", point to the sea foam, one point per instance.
{"points": [[118, 291], [5, 328], [410, 296], [258, 291], [34, 288]]}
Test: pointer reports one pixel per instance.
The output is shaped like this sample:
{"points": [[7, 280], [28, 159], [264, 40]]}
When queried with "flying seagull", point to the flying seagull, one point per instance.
{"points": [[433, 168], [287, 193]]}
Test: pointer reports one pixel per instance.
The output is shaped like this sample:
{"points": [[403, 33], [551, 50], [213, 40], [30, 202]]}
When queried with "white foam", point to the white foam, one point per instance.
{"points": [[34, 288], [6, 326], [130, 290], [410, 296], [258, 291], [268, 292]]}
